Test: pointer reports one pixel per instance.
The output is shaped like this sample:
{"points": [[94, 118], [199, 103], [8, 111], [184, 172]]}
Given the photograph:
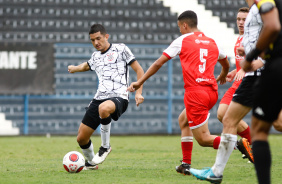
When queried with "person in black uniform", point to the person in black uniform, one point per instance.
{"points": [[268, 89]]}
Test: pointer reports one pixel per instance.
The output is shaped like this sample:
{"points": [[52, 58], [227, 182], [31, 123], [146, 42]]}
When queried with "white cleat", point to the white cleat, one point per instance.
{"points": [[101, 155], [89, 166]]}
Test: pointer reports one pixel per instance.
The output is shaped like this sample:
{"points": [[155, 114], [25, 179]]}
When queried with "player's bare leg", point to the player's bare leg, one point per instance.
{"points": [[203, 136], [233, 116], [186, 144], [83, 139], [242, 129], [105, 110], [231, 119]]}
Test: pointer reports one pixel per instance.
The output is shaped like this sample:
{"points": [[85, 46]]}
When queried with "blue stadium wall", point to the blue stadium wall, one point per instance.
{"points": [[62, 112]]}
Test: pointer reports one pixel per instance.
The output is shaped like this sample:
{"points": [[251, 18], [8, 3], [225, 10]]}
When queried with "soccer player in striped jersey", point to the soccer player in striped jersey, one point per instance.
{"points": [[110, 62]]}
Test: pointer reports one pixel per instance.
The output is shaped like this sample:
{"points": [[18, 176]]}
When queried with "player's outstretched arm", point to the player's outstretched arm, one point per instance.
{"points": [[79, 68], [139, 72], [151, 71], [224, 71]]}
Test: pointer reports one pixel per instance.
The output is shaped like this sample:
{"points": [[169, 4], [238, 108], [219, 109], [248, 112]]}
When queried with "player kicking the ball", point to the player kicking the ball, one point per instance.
{"points": [[110, 63]]}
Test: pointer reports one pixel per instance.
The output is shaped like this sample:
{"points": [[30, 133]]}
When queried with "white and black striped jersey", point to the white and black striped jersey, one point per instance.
{"points": [[112, 70], [252, 28]]}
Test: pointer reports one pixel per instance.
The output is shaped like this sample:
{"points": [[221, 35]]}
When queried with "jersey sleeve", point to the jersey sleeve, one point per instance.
{"points": [[222, 55], [128, 56], [174, 49], [90, 62]]}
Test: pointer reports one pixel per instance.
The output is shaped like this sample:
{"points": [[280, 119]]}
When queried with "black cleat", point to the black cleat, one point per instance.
{"points": [[183, 169]]}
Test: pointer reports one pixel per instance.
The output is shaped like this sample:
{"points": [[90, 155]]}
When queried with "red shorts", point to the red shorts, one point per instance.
{"points": [[227, 97], [198, 102]]}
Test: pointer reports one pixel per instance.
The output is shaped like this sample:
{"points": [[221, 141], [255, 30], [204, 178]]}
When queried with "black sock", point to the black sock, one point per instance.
{"points": [[262, 159], [106, 121], [86, 146]]}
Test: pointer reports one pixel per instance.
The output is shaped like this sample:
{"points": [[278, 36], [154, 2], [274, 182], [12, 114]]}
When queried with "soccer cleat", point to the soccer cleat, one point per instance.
{"points": [[101, 155], [89, 166], [183, 169], [206, 174], [244, 147]]}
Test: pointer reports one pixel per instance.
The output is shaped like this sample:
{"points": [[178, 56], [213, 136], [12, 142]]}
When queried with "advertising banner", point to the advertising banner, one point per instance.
{"points": [[26, 68]]}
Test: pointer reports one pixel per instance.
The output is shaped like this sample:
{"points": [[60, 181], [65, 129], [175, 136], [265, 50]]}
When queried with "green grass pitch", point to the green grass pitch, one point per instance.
{"points": [[134, 159]]}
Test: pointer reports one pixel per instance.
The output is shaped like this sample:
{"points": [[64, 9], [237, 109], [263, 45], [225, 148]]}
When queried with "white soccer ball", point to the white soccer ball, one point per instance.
{"points": [[73, 162]]}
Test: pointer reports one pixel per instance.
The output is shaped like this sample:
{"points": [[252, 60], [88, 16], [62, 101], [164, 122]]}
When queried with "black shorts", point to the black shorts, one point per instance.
{"points": [[244, 95], [92, 118], [268, 92]]}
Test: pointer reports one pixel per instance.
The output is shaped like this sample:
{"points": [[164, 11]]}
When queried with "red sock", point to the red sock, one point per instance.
{"points": [[187, 151], [246, 134], [216, 142]]}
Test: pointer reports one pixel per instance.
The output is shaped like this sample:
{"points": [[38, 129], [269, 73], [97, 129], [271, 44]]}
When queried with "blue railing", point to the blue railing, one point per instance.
{"points": [[169, 98]]}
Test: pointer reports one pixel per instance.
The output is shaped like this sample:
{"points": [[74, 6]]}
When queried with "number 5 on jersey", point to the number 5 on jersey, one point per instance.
{"points": [[203, 52]]}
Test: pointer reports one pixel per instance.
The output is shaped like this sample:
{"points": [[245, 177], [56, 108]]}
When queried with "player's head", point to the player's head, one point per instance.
{"points": [[99, 37], [187, 21], [241, 18]]}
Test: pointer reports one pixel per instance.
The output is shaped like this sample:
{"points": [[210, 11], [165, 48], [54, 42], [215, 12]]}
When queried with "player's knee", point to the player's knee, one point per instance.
{"points": [[182, 121], [226, 121], [104, 110], [78, 140], [81, 141]]}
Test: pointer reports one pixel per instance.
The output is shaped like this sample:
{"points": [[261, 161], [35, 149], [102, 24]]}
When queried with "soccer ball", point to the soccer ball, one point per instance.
{"points": [[73, 162]]}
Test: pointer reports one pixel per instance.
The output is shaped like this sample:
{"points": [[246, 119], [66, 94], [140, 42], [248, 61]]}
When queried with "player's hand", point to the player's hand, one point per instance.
{"points": [[230, 76], [240, 51], [139, 99], [221, 79], [134, 86], [71, 69], [256, 64], [239, 75], [246, 66]]}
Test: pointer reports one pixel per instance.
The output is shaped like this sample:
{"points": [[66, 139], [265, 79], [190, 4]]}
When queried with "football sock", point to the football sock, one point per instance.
{"points": [[187, 146], [262, 159], [246, 134], [224, 151], [106, 121], [88, 150], [105, 135], [216, 142]]}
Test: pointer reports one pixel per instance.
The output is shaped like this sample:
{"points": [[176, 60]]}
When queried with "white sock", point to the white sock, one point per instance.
{"points": [[187, 139], [89, 152], [226, 146], [105, 135]]}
